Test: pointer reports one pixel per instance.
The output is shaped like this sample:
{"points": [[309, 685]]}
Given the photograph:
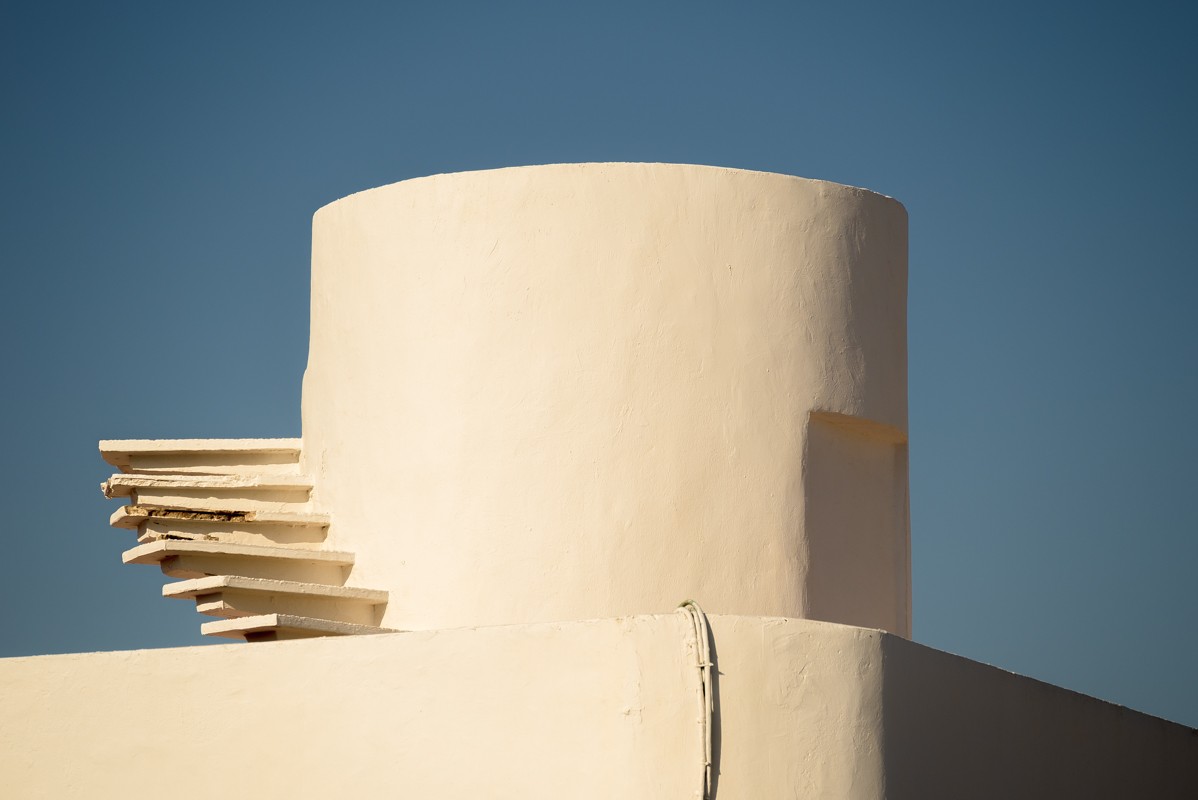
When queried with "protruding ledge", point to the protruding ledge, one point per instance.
{"points": [[118, 451], [155, 552], [284, 626], [132, 516], [123, 484], [216, 583]]}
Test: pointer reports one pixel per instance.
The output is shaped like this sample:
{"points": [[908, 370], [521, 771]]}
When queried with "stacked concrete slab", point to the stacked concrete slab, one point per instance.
{"points": [[232, 519]]}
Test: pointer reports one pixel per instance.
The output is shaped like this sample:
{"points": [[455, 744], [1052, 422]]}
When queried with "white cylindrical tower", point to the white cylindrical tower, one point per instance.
{"points": [[590, 390]]}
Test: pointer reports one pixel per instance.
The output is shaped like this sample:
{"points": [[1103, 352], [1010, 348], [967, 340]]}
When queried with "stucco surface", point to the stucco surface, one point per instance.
{"points": [[592, 709], [586, 390], [539, 712]]}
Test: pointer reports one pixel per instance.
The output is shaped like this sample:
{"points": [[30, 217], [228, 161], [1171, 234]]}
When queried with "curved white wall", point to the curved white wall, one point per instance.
{"points": [[590, 390]]}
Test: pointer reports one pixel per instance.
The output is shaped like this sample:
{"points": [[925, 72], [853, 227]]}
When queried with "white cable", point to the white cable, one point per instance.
{"points": [[706, 695]]}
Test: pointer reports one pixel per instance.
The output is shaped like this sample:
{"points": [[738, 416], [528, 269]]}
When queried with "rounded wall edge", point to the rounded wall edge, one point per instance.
{"points": [[502, 172]]}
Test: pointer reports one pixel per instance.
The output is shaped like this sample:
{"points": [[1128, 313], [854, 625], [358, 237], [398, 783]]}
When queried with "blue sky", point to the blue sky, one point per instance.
{"points": [[161, 163]]}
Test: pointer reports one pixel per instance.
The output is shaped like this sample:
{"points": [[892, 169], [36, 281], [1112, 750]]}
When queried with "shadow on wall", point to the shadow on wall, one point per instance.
{"points": [[957, 728], [716, 726], [857, 523]]}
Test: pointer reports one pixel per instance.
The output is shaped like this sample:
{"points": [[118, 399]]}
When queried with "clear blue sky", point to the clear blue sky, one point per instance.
{"points": [[161, 163]]}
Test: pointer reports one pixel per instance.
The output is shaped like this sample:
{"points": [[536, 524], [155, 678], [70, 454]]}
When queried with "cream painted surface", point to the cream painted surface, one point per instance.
{"points": [[799, 709], [593, 709], [202, 456], [584, 390], [584, 710]]}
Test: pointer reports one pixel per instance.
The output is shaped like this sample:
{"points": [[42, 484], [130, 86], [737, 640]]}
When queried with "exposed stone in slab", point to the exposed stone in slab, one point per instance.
{"points": [[309, 538], [124, 484], [133, 516]]}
